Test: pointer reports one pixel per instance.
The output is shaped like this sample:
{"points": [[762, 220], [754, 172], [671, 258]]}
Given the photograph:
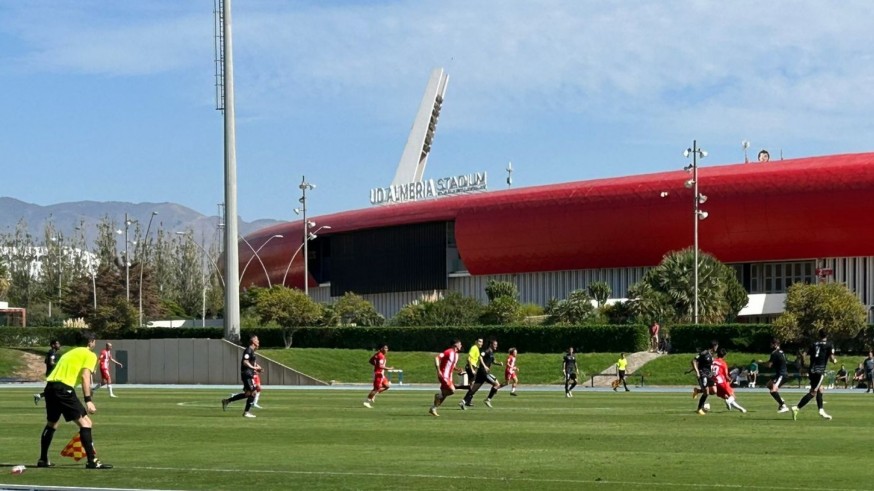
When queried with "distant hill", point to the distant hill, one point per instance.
{"points": [[67, 217]]}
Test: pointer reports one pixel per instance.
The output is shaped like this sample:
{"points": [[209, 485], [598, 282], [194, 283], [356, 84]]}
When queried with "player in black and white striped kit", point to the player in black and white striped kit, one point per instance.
{"points": [[820, 353]]}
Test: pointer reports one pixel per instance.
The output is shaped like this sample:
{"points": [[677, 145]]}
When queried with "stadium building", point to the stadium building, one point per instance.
{"points": [[776, 223]]}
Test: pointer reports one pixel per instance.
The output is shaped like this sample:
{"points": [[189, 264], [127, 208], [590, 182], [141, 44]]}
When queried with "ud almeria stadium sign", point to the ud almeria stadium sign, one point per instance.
{"points": [[429, 188]]}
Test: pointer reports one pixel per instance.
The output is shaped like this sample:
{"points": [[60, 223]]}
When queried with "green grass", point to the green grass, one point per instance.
{"points": [[11, 361], [325, 439], [350, 366]]}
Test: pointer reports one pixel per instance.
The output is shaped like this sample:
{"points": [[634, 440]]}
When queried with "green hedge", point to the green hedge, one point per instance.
{"points": [[753, 338], [530, 339]]}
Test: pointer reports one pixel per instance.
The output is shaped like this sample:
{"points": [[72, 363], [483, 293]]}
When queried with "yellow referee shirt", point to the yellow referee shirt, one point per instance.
{"points": [[621, 364], [68, 371], [473, 356]]}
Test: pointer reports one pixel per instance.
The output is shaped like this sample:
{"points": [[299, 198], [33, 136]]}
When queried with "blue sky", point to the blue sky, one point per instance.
{"points": [[114, 101]]}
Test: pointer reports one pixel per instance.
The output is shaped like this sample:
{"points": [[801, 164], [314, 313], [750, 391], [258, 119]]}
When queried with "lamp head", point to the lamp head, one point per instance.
{"points": [[687, 152], [689, 183], [702, 214], [297, 211], [702, 199], [689, 168], [663, 194], [702, 153]]}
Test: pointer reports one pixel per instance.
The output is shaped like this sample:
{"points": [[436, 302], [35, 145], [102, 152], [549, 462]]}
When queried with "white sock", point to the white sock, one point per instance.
{"points": [[109, 387], [257, 396]]}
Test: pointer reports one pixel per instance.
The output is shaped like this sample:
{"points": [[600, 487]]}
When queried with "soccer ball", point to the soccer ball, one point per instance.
{"points": [[19, 469], [706, 407]]}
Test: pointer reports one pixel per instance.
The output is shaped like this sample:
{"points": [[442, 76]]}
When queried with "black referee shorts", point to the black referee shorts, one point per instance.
{"points": [[62, 400]]}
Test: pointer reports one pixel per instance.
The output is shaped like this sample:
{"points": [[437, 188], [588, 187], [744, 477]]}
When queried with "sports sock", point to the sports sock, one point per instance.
{"points": [[492, 392], [249, 401], [804, 400], [237, 397], [109, 387], [87, 443], [780, 401], [819, 402], [257, 396], [573, 384], [45, 441], [702, 400]]}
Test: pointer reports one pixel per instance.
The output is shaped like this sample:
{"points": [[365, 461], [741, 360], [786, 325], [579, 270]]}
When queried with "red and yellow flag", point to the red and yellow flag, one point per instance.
{"points": [[74, 449]]}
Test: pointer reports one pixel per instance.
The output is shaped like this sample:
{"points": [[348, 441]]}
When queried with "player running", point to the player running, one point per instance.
{"points": [[703, 366], [777, 363], [445, 364], [722, 381], [510, 371], [380, 381], [820, 352]]}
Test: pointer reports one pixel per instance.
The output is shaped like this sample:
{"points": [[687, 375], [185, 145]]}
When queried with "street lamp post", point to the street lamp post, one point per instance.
{"points": [[304, 186], [255, 254], [311, 236], [127, 223], [212, 261], [142, 265], [698, 214], [57, 238]]}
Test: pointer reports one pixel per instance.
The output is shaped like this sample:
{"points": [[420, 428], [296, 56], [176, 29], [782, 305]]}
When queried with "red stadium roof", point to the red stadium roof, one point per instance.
{"points": [[782, 210]]}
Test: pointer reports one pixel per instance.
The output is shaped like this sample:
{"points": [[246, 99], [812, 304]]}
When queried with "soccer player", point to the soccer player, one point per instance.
{"points": [[256, 379], [51, 360], [820, 353], [778, 363], [571, 372], [248, 368], [703, 366], [105, 358], [621, 366], [752, 374], [381, 383], [484, 375], [445, 364], [74, 368], [510, 371], [721, 381]]}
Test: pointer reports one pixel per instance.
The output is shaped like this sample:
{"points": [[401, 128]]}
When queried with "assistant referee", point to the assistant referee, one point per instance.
{"points": [[72, 369]]}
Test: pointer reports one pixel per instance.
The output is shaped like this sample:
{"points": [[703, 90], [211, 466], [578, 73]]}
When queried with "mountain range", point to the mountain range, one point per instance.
{"points": [[85, 215]]}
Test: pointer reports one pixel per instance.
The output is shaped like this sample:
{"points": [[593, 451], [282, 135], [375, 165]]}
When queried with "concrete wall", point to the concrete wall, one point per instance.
{"points": [[191, 361]]}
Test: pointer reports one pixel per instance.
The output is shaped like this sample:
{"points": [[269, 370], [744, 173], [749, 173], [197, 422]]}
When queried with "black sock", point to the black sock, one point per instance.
{"points": [[819, 402], [237, 397], [804, 400], [87, 443], [624, 384], [493, 392], [702, 401], [573, 384], [780, 401], [249, 401], [567, 383], [45, 441]]}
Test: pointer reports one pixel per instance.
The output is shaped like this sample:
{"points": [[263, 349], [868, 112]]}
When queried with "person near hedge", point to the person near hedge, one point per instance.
{"points": [[50, 361]]}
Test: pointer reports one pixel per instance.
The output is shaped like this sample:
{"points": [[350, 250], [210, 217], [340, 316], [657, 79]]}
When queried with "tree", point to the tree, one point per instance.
{"points": [[829, 306], [289, 308], [4, 278], [354, 309], [600, 291], [496, 289], [502, 310], [669, 291], [452, 310], [574, 310]]}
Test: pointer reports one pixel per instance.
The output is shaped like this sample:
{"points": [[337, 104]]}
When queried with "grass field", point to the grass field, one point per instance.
{"points": [[325, 439]]}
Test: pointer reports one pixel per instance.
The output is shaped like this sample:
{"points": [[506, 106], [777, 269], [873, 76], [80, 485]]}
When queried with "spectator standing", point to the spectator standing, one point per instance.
{"points": [[654, 337], [868, 365]]}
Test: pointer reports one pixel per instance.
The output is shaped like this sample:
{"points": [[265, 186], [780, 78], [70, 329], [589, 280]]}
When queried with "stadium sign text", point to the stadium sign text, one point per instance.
{"points": [[429, 188]]}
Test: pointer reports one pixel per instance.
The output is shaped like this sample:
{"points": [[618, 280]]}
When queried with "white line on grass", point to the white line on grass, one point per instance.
{"points": [[597, 481]]}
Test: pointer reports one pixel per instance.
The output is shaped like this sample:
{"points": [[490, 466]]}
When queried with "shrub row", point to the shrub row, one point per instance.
{"points": [[753, 338], [531, 339]]}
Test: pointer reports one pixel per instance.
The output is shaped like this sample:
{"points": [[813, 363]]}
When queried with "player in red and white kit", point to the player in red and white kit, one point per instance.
{"points": [[510, 371], [722, 382], [104, 359], [256, 379], [445, 364], [380, 381]]}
